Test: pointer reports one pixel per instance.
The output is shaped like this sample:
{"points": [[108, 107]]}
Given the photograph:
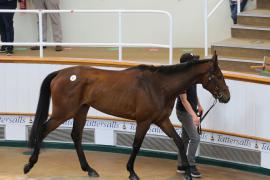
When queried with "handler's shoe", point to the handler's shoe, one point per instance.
{"points": [[194, 172], [9, 52], [3, 49], [180, 170], [58, 48]]}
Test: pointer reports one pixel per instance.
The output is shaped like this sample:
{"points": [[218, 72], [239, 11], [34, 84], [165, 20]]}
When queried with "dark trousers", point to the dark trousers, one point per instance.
{"points": [[6, 26], [233, 6]]}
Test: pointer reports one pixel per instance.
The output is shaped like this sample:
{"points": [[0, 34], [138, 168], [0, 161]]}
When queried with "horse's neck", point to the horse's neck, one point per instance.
{"points": [[182, 80]]}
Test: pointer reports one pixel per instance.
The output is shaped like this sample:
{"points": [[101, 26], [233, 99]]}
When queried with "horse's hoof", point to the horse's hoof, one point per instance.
{"points": [[134, 177], [93, 173], [187, 177], [27, 168]]}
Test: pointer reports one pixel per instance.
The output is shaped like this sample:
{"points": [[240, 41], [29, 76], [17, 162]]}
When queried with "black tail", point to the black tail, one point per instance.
{"points": [[42, 109]]}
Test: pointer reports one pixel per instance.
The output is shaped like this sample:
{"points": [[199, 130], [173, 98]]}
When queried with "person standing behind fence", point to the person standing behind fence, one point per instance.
{"points": [[187, 106], [54, 18], [233, 5], [6, 25]]}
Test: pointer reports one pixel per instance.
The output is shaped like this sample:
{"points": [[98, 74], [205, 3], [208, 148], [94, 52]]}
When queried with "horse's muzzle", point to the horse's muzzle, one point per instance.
{"points": [[224, 97], [224, 100]]}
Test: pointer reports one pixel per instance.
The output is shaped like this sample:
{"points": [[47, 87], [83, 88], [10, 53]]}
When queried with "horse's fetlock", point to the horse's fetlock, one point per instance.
{"points": [[33, 161], [84, 168], [129, 167]]}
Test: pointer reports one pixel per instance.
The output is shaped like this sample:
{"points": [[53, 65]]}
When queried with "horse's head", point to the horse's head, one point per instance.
{"points": [[214, 82]]}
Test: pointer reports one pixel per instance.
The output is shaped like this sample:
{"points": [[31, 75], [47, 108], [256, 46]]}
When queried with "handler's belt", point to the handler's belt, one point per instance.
{"points": [[199, 128]]}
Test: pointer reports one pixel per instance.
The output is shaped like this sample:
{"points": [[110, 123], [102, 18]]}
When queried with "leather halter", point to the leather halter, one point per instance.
{"points": [[212, 77]]}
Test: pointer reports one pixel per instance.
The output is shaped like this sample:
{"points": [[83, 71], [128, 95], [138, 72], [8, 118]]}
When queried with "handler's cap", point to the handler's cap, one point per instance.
{"points": [[187, 57]]}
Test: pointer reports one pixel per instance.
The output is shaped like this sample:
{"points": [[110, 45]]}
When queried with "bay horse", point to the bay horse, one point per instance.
{"points": [[143, 93]]}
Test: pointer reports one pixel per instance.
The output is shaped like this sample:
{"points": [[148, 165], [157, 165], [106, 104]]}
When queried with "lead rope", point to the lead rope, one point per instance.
{"points": [[199, 128]]}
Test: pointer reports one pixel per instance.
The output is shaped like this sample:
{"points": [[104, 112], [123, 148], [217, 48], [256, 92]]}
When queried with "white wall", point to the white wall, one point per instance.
{"points": [[187, 16], [246, 113]]}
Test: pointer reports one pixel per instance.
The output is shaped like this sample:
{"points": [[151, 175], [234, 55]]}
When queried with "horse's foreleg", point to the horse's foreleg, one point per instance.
{"points": [[141, 130], [168, 128], [78, 125], [46, 128]]}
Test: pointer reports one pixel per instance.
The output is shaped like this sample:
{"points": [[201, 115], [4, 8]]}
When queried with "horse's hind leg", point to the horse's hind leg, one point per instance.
{"points": [[46, 128], [78, 125], [141, 130], [168, 128]]}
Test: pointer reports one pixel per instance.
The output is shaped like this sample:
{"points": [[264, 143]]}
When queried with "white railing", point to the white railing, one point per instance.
{"points": [[119, 44], [207, 16], [238, 6]]}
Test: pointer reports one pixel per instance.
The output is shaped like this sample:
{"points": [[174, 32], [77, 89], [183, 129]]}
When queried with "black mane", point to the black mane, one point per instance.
{"points": [[168, 69]]}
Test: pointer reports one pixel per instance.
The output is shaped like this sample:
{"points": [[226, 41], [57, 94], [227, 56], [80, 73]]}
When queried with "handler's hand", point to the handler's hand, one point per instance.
{"points": [[200, 109], [196, 120]]}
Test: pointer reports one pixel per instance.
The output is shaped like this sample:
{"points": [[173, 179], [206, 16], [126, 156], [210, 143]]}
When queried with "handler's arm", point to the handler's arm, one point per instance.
{"points": [[189, 109]]}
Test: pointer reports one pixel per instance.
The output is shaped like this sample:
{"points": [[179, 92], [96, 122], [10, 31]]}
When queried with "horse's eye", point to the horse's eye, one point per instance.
{"points": [[211, 77]]}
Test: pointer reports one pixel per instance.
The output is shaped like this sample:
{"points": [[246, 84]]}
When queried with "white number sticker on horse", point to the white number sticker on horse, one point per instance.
{"points": [[73, 78]]}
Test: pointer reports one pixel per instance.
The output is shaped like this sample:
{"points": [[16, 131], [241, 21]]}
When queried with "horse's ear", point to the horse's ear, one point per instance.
{"points": [[215, 57]]}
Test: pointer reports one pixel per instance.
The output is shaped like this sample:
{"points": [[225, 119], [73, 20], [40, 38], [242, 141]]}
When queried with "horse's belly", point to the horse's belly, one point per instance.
{"points": [[116, 110]]}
